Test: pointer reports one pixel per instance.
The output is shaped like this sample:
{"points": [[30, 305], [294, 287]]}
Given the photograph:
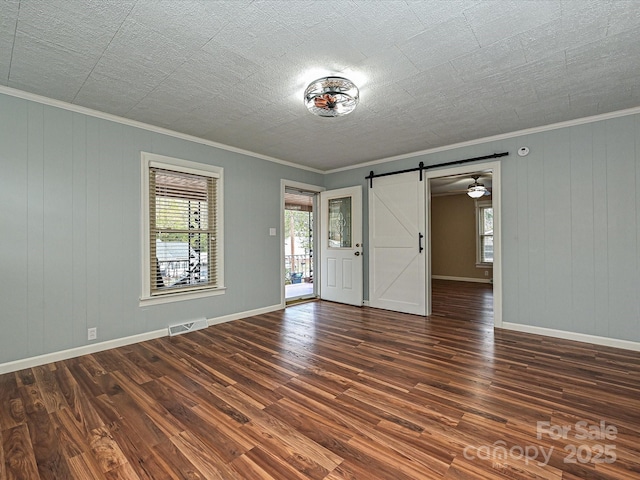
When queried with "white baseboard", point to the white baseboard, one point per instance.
{"points": [[249, 313], [30, 362], [578, 337], [16, 365], [461, 279]]}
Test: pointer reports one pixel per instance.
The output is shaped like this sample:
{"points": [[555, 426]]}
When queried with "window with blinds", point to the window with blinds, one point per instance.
{"points": [[182, 238]]}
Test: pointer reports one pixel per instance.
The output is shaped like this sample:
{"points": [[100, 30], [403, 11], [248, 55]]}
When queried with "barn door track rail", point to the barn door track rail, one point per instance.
{"points": [[422, 167]]}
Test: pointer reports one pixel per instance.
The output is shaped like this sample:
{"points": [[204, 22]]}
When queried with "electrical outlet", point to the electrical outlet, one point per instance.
{"points": [[92, 333], [486, 273]]}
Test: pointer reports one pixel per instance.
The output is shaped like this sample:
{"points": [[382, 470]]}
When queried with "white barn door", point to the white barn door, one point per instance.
{"points": [[397, 244]]}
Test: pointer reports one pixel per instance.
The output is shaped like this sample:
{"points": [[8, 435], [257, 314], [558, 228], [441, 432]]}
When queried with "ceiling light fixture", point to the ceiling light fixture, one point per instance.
{"points": [[331, 96], [476, 190]]}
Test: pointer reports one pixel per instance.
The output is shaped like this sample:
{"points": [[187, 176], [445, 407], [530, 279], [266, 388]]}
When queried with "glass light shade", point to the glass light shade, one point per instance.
{"points": [[331, 97], [476, 190]]}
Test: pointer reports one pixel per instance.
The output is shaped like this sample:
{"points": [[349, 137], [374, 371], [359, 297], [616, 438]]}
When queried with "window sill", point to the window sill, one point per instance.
{"points": [[180, 296], [484, 265]]}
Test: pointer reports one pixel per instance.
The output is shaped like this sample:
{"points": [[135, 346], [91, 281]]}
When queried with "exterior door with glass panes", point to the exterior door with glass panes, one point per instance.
{"points": [[341, 245]]}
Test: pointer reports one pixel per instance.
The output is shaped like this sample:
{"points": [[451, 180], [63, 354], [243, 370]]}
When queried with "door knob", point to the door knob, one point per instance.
{"points": [[357, 254]]}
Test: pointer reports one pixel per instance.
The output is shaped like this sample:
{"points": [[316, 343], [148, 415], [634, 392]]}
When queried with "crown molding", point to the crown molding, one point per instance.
{"points": [[13, 92], [494, 138]]}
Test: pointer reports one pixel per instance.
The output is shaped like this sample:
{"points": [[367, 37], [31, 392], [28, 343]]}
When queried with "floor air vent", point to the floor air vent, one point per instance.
{"points": [[187, 327]]}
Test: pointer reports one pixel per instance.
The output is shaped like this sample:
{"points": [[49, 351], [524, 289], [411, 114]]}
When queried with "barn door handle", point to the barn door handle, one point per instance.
{"points": [[420, 247]]}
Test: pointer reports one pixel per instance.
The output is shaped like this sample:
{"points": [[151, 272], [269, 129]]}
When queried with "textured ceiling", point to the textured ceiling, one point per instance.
{"points": [[431, 72]]}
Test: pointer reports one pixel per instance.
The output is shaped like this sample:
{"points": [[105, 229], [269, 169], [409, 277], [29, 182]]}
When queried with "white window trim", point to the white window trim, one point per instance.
{"points": [[479, 205], [154, 160]]}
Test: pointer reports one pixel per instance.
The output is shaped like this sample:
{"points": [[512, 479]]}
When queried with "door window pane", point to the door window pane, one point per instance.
{"points": [[340, 222]]}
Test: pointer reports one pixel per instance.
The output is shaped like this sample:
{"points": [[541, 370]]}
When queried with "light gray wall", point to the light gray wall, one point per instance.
{"points": [[70, 228], [570, 225], [70, 215]]}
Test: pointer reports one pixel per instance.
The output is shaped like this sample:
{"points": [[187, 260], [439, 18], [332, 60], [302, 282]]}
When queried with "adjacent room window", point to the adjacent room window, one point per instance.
{"points": [[484, 218], [183, 228]]}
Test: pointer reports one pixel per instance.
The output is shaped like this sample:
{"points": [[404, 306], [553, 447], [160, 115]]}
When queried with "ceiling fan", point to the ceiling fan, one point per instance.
{"points": [[476, 189], [459, 184]]}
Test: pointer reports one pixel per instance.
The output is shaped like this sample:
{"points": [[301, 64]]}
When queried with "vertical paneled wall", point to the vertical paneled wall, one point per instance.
{"points": [[571, 232], [570, 225], [70, 228], [70, 246]]}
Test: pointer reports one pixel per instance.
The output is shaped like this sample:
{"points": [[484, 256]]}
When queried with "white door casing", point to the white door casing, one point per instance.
{"points": [[398, 248], [377, 281], [284, 184], [341, 245]]}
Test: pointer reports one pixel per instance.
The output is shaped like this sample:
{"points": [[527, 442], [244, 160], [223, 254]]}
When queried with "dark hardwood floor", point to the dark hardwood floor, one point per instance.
{"points": [[463, 300], [327, 391]]}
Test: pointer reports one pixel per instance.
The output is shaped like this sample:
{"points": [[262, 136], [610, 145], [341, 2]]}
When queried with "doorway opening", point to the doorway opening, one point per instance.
{"points": [[462, 247], [299, 240]]}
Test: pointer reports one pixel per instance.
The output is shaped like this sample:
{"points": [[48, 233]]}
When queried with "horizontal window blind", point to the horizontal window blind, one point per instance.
{"points": [[182, 240]]}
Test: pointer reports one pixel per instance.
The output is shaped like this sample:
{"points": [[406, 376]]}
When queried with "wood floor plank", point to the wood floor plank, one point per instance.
{"points": [[275, 465], [73, 438], [300, 448], [106, 451], [199, 455], [227, 426], [218, 444], [132, 416], [386, 461], [113, 360], [19, 458], [84, 466], [327, 391], [50, 456], [250, 470], [122, 472], [12, 411], [3, 467], [178, 467], [462, 469], [50, 391], [50, 459], [150, 407], [141, 458]]}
